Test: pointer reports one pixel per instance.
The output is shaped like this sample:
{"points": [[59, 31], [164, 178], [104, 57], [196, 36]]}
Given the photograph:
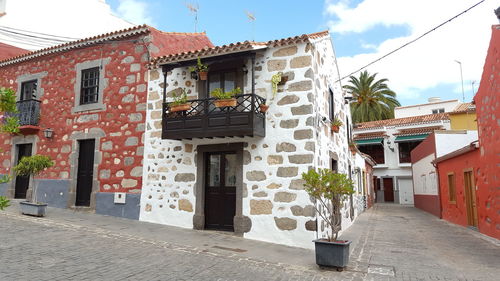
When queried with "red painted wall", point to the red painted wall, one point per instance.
{"points": [[58, 100], [456, 212], [487, 102], [426, 147]]}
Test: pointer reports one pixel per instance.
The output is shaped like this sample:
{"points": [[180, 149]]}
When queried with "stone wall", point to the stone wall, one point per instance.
{"points": [[296, 140]]}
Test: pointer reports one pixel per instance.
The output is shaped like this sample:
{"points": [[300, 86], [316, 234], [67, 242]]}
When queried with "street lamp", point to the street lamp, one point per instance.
{"points": [[462, 78]]}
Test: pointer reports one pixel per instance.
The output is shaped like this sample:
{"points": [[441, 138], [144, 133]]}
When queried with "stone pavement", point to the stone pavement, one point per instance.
{"points": [[390, 242]]}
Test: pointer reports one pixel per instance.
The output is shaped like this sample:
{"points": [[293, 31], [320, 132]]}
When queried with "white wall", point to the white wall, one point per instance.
{"points": [[424, 109], [447, 142], [424, 176]]}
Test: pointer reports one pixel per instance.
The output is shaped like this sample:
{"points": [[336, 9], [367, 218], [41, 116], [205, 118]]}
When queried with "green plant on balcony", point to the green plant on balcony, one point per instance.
{"points": [[201, 69], [180, 102], [9, 121], [225, 98]]}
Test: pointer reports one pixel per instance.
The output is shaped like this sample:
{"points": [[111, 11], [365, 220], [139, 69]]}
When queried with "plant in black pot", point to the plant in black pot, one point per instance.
{"points": [[31, 166], [330, 190]]}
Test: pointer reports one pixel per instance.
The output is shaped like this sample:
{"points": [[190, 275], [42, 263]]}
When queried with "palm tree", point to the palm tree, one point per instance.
{"points": [[372, 100]]}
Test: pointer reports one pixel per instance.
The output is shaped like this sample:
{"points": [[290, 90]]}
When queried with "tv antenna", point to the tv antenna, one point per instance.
{"points": [[193, 8], [251, 18]]}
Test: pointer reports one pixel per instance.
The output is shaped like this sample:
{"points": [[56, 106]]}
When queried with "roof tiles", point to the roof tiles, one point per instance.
{"points": [[404, 121]]}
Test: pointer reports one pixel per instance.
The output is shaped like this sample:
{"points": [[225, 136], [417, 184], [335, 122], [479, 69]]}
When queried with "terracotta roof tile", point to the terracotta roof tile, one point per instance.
{"points": [[167, 42], [370, 135], [404, 121], [233, 47], [464, 107], [416, 131], [8, 51]]}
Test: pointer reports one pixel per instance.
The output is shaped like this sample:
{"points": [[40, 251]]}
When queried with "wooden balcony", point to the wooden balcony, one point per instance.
{"points": [[205, 120]]}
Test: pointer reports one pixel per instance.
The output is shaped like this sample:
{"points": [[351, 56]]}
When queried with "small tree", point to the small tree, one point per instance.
{"points": [[329, 189], [32, 166]]}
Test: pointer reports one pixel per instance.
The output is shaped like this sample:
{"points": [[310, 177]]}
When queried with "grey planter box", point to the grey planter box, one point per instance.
{"points": [[33, 209], [332, 254]]}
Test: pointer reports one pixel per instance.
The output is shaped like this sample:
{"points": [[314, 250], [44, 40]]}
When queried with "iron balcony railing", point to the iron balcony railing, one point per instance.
{"points": [[28, 112], [204, 120]]}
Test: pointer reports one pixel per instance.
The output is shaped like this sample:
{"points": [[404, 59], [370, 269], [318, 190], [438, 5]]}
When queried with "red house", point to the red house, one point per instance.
{"points": [[83, 104], [470, 176]]}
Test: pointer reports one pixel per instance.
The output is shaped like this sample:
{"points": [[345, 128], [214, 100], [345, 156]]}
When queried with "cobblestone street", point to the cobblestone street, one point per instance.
{"points": [[389, 242]]}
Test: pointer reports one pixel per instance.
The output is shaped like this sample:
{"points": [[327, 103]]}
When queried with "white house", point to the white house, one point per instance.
{"points": [[433, 106], [237, 168]]}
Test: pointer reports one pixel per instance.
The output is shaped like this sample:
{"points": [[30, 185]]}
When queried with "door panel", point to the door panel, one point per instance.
{"points": [[220, 190], [85, 172], [388, 190], [470, 199], [405, 191], [22, 182]]}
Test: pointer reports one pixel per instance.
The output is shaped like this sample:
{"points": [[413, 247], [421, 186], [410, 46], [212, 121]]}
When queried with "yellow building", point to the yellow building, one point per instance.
{"points": [[463, 117]]}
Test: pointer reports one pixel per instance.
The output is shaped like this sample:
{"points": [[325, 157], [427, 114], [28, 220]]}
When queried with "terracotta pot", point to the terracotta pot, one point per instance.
{"points": [[203, 75], [335, 128], [180, 107], [225, 103], [264, 108]]}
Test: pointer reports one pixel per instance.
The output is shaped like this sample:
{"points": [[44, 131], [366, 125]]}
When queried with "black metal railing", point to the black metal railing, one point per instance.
{"points": [[28, 112], [204, 119]]}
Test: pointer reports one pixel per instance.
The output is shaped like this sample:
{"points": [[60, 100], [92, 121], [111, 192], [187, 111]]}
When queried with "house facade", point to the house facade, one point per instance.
{"points": [[389, 143], [434, 105], [463, 117], [426, 189], [83, 104], [238, 168]]}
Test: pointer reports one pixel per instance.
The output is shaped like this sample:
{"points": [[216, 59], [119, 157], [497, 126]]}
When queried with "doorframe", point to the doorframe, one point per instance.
{"points": [[29, 139], [475, 216], [241, 223], [383, 187], [96, 134]]}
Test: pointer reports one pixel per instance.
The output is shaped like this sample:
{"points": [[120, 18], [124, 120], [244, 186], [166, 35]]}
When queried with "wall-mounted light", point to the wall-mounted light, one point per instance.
{"points": [[194, 75], [48, 133], [348, 99], [245, 69], [389, 145]]}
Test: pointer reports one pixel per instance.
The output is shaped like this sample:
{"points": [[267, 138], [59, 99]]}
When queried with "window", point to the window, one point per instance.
{"points": [[226, 80], [452, 195], [404, 150], [376, 151], [90, 86], [439, 110], [28, 90], [331, 101], [335, 166]]}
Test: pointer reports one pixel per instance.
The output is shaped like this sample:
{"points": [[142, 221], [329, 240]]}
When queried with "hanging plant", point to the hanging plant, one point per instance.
{"points": [[201, 69], [336, 123], [275, 80]]}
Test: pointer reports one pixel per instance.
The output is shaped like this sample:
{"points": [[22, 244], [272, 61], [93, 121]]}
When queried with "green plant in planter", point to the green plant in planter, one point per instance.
{"points": [[218, 93], [32, 166], [200, 67], [336, 121], [330, 190], [179, 99]]}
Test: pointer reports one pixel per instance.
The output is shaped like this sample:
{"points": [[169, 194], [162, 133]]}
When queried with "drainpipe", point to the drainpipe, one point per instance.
{"points": [[165, 71], [253, 74]]}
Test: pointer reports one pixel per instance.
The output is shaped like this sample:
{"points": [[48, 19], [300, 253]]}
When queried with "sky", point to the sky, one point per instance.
{"points": [[361, 30]]}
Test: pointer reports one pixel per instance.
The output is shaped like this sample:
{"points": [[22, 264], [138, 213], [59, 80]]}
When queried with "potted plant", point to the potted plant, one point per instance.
{"points": [[32, 166], [225, 98], [180, 102], [335, 124], [353, 148], [201, 69], [330, 190]]}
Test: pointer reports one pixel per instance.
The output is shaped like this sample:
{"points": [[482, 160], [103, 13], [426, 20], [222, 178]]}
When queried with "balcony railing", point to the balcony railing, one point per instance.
{"points": [[29, 112], [204, 120]]}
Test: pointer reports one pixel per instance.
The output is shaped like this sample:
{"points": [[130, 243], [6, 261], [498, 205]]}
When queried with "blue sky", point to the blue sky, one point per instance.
{"points": [[362, 30]]}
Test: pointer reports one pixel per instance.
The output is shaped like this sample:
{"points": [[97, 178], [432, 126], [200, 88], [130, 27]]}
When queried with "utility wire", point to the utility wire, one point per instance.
{"points": [[412, 41], [22, 30], [28, 39], [34, 36]]}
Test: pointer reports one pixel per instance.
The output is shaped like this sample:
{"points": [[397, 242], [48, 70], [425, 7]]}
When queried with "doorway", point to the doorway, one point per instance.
{"points": [[470, 198], [22, 182], [220, 190], [85, 174], [388, 190]]}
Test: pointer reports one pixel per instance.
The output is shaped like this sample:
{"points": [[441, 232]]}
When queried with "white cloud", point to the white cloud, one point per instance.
{"points": [[430, 61], [135, 11]]}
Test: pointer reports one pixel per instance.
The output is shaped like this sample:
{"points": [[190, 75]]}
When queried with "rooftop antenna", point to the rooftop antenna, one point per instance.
{"points": [[462, 78], [473, 90], [251, 18], [193, 8]]}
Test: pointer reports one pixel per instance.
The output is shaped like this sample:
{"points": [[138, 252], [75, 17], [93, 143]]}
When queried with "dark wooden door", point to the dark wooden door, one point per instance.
{"points": [[220, 190], [388, 190], [22, 182], [85, 173], [470, 198]]}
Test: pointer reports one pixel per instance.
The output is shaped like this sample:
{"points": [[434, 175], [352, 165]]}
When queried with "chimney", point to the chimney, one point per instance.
{"points": [[497, 12], [434, 99]]}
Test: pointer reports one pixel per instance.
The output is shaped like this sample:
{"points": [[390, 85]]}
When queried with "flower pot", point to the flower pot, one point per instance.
{"points": [[33, 209], [203, 75], [332, 254], [180, 107], [263, 108], [335, 128], [225, 102]]}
